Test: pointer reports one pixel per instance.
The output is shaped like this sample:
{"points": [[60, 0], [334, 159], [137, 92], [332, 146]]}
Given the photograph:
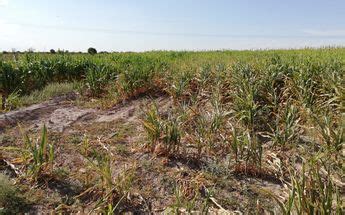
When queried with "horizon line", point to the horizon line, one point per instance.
{"points": [[171, 50]]}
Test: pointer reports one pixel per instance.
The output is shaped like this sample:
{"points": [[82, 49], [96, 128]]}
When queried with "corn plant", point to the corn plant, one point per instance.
{"points": [[201, 134], [332, 86], [306, 82], [136, 75], [245, 94], [275, 84], [312, 192], [236, 146], [9, 81], [166, 132], [113, 189], [12, 101], [180, 83], [96, 78], [205, 75], [171, 135], [101, 165], [286, 127], [42, 154], [153, 126], [246, 148], [332, 135]]}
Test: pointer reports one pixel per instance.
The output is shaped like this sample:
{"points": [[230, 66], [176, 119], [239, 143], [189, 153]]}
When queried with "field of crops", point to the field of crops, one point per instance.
{"points": [[245, 131]]}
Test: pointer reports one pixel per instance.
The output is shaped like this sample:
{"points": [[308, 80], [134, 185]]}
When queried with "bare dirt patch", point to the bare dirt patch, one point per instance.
{"points": [[34, 113]]}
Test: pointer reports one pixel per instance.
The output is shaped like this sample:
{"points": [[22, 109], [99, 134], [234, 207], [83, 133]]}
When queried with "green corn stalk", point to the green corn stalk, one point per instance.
{"points": [[172, 135], [153, 126], [42, 154]]}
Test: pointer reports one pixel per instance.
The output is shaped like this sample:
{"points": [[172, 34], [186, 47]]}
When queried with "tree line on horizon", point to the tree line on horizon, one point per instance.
{"points": [[90, 50]]}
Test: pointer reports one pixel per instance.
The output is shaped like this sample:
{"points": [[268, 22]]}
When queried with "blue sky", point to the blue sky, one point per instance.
{"points": [[139, 25]]}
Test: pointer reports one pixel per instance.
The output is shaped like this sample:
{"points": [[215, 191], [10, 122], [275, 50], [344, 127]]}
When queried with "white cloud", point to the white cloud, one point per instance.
{"points": [[326, 33], [3, 3]]}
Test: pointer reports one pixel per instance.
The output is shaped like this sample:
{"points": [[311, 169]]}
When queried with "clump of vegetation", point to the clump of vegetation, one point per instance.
{"points": [[12, 102], [165, 134], [16, 100], [41, 155], [96, 79], [313, 190], [153, 127], [138, 75], [11, 200], [113, 190]]}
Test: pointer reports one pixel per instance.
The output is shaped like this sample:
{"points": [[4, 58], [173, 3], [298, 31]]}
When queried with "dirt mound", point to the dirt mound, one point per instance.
{"points": [[60, 113], [62, 118], [34, 112]]}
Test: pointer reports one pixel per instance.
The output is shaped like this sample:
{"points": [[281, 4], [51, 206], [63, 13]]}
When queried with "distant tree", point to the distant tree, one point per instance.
{"points": [[52, 51], [92, 51], [5, 52]]}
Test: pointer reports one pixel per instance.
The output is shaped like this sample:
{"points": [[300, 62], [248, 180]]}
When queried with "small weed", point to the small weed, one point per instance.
{"points": [[181, 203], [122, 150]]}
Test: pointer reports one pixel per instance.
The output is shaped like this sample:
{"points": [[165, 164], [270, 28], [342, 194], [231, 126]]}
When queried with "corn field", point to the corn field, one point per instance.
{"points": [[267, 114]]}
